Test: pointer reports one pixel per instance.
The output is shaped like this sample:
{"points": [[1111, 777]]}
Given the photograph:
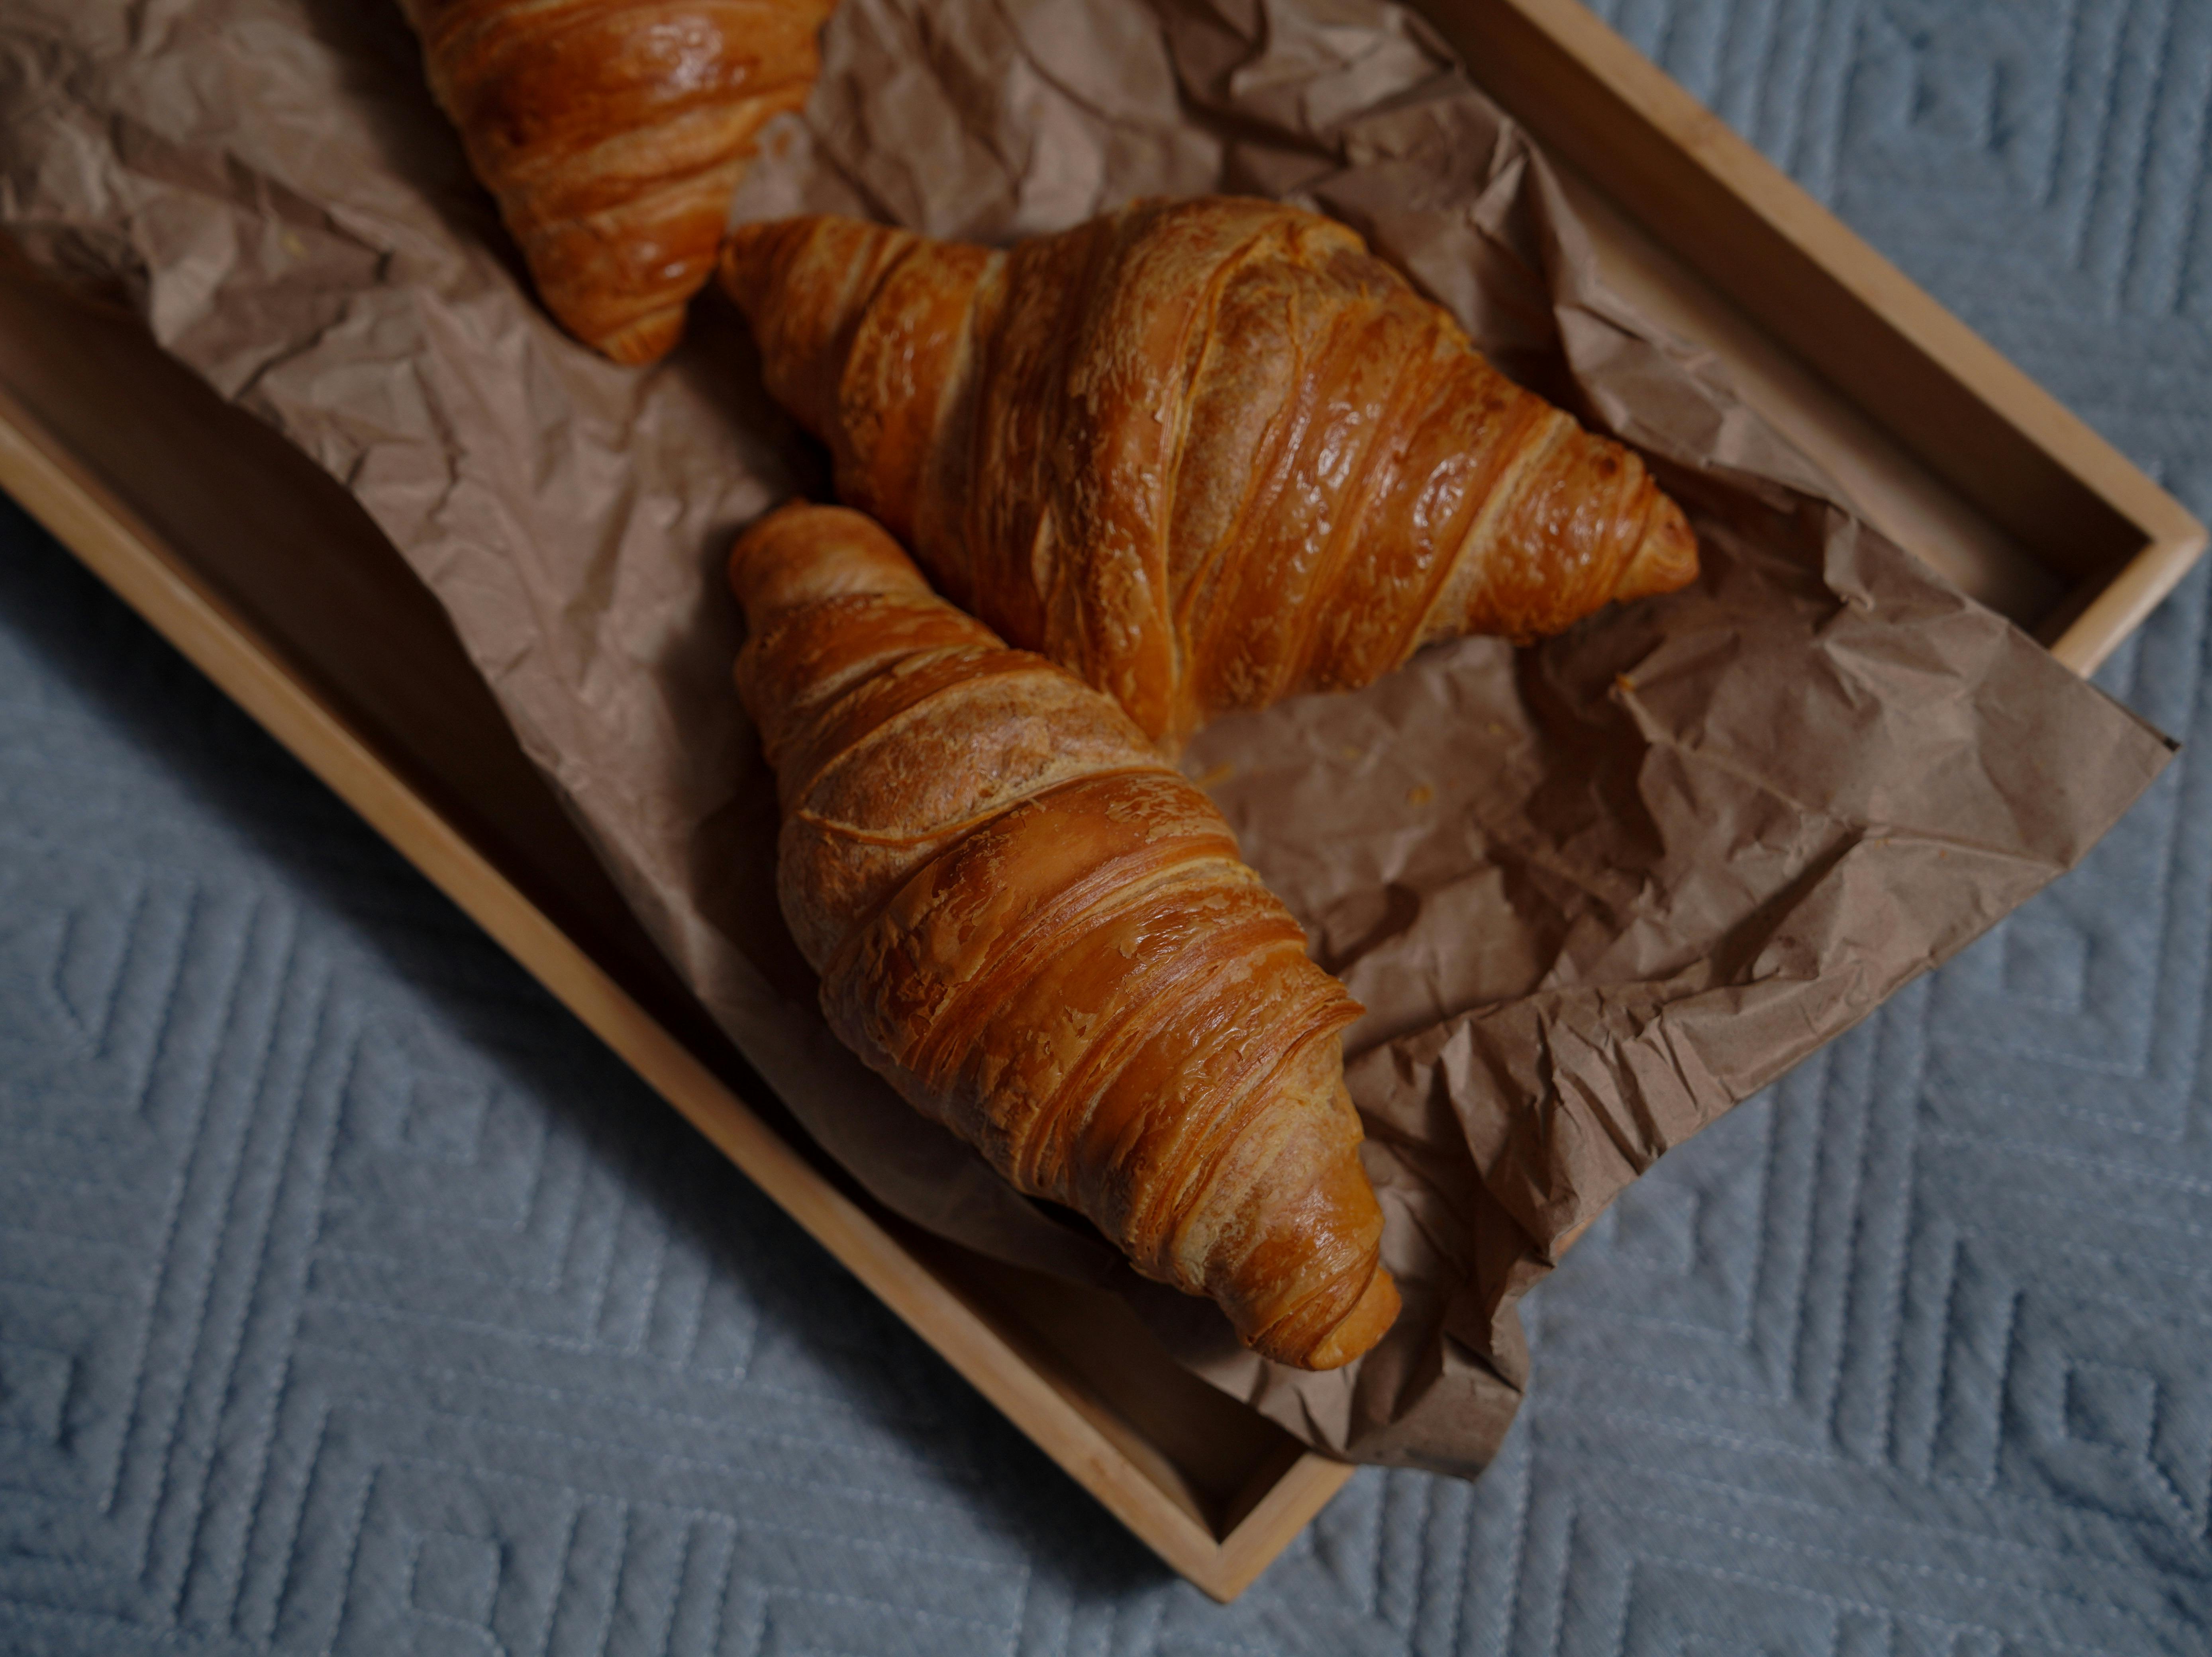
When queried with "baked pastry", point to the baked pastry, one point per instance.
{"points": [[1045, 939], [1206, 454], [613, 133]]}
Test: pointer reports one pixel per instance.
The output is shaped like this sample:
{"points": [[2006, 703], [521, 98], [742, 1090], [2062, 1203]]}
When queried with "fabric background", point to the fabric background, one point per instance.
{"points": [[351, 1298]]}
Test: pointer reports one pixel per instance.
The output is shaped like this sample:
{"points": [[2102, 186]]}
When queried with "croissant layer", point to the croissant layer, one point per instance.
{"points": [[613, 133], [1206, 454], [1045, 939]]}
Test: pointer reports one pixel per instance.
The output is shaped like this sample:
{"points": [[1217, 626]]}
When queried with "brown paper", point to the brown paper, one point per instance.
{"points": [[1591, 894]]}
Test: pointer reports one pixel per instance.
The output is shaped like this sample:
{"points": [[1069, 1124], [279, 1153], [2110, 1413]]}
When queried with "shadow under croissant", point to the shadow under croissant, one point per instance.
{"points": [[380, 67]]}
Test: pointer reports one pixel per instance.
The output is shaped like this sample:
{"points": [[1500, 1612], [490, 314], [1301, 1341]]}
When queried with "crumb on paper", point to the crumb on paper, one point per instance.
{"points": [[1219, 771], [1624, 684], [1419, 794]]}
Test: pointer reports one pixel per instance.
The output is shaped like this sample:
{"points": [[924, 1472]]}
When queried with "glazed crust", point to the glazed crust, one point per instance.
{"points": [[613, 133], [1206, 454], [1045, 939]]}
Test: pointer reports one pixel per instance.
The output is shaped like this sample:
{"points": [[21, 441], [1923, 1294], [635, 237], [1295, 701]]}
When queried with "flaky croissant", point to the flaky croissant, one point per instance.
{"points": [[1206, 454], [1045, 939], [613, 133]]}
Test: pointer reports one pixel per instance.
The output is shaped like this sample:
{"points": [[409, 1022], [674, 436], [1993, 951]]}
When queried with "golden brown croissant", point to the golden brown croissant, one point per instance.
{"points": [[1206, 454], [1045, 939], [613, 133]]}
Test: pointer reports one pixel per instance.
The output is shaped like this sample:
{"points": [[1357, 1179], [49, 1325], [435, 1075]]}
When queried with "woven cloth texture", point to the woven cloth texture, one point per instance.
{"points": [[353, 1299]]}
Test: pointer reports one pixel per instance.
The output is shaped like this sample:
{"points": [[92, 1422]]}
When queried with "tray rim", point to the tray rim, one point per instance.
{"points": [[160, 583]]}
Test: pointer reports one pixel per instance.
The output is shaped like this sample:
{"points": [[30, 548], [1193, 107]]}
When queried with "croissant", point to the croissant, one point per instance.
{"points": [[1044, 937], [1206, 454], [613, 133]]}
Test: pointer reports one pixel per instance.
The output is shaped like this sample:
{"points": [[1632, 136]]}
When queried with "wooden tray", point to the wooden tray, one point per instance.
{"points": [[271, 578]]}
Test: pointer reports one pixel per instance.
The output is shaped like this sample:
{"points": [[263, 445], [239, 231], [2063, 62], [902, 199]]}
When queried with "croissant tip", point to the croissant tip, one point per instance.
{"points": [[802, 553], [1369, 1321], [1364, 1322], [789, 533], [648, 339], [1666, 559], [742, 266]]}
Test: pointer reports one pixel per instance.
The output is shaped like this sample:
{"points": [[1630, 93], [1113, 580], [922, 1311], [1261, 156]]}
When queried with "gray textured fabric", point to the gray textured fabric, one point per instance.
{"points": [[351, 1299]]}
